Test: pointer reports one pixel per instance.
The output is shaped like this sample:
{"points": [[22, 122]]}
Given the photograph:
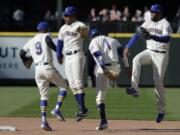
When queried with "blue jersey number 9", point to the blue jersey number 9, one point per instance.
{"points": [[38, 48]]}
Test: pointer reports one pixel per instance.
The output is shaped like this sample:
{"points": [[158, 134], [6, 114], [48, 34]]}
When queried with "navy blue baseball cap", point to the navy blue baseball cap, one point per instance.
{"points": [[69, 11], [156, 8], [42, 26], [93, 33]]}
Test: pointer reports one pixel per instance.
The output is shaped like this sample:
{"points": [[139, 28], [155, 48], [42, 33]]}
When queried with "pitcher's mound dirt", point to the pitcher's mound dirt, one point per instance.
{"points": [[31, 126]]}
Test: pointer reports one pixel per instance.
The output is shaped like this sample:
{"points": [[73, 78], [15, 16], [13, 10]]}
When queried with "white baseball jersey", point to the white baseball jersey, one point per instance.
{"points": [[45, 72], [107, 46], [39, 50], [160, 28], [74, 63], [72, 39], [157, 55]]}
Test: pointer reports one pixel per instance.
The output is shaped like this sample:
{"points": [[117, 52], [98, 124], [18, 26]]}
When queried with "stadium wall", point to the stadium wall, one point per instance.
{"points": [[12, 71]]}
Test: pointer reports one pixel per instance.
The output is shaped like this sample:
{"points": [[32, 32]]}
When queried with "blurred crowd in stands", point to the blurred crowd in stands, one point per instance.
{"points": [[14, 21], [177, 17], [17, 20], [138, 16], [114, 14]]}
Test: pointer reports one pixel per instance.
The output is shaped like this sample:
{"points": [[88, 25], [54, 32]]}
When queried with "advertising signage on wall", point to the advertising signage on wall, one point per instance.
{"points": [[11, 66]]}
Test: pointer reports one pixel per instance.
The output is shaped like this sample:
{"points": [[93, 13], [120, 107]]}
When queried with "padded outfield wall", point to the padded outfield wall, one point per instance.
{"points": [[172, 77], [12, 72]]}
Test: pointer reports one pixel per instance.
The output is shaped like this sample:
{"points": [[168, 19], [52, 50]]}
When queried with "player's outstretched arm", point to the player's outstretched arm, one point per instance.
{"points": [[125, 61], [123, 57], [131, 42]]}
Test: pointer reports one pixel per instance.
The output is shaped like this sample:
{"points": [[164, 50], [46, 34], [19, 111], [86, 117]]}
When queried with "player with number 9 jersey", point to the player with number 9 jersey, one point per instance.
{"points": [[40, 49]]}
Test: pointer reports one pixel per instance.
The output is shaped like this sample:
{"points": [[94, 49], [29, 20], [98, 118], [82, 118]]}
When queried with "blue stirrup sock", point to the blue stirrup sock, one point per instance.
{"points": [[101, 108], [43, 106], [61, 96], [81, 101], [77, 99]]}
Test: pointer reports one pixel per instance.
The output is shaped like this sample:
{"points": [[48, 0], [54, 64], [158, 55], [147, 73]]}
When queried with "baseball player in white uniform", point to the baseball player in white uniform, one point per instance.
{"points": [[156, 54], [70, 41], [105, 51], [40, 49]]}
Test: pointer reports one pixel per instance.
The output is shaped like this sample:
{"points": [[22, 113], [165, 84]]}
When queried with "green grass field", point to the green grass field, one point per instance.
{"points": [[24, 102]]}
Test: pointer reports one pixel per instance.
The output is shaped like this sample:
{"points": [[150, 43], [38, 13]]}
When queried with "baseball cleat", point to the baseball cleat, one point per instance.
{"points": [[81, 114], [103, 125], [56, 113], [160, 117], [46, 126], [132, 91]]}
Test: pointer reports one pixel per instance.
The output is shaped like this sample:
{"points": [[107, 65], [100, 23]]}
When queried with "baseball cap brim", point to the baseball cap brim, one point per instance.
{"points": [[153, 11], [67, 14]]}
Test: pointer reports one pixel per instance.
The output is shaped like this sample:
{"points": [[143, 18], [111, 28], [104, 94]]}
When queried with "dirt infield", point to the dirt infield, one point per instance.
{"points": [[31, 126]]}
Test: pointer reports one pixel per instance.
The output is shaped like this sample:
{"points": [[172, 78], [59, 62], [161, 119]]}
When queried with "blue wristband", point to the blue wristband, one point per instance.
{"points": [[99, 58]]}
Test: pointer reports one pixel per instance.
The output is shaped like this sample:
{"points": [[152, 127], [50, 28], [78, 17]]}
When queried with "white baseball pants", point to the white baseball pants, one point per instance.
{"points": [[74, 68], [44, 74], [159, 62], [102, 82]]}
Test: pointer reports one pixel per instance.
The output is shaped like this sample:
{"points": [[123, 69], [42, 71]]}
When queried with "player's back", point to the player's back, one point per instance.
{"points": [[39, 50], [108, 47]]}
